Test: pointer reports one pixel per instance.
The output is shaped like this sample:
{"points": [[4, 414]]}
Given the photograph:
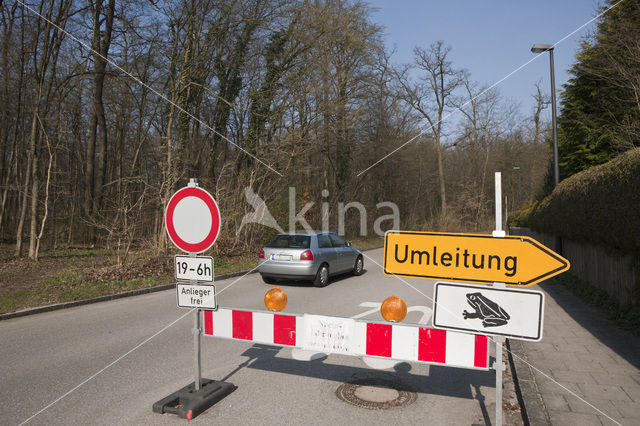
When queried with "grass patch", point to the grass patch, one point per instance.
{"points": [[70, 276], [18, 300], [238, 265], [627, 317], [67, 275], [76, 252], [369, 243], [89, 290]]}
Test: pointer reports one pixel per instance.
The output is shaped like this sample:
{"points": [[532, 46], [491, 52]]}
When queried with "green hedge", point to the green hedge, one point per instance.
{"points": [[600, 205]]}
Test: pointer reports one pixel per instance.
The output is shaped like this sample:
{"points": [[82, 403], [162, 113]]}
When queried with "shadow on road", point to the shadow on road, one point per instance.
{"points": [[445, 381]]}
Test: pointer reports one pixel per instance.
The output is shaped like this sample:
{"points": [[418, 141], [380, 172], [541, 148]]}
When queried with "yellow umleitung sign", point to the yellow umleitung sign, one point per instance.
{"points": [[517, 261]]}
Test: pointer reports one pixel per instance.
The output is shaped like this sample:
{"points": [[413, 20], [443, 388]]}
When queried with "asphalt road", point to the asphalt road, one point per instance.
{"points": [[127, 354]]}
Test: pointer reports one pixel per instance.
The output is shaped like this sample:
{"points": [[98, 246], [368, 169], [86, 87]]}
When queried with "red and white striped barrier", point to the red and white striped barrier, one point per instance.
{"points": [[403, 342]]}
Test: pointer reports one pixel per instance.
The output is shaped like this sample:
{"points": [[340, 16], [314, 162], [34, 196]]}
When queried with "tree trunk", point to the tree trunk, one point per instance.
{"points": [[230, 86], [89, 166], [27, 180], [34, 208], [46, 203], [443, 194], [4, 101], [262, 100], [97, 144]]}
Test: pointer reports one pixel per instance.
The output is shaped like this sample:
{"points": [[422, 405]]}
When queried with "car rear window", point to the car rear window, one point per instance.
{"points": [[337, 241], [323, 241], [290, 241]]}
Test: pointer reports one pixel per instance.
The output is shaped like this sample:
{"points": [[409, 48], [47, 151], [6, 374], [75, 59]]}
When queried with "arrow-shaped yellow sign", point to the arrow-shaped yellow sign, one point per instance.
{"points": [[518, 261]]}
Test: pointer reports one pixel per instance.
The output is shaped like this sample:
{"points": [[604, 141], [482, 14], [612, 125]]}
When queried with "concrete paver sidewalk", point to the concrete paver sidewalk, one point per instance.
{"points": [[585, 353]]}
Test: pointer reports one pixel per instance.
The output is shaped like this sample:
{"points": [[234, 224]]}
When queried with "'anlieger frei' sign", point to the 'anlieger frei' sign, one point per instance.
{"points": [[514, 260]]}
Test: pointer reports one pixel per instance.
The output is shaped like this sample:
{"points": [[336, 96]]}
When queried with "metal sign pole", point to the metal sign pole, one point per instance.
{"points": [[193, 183], [196, 345], [186, 226], [196, 340], [498, 365]]}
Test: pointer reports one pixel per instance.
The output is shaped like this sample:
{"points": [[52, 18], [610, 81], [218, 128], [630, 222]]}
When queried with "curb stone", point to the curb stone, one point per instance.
{"points": [[105, 298], [534, 412]]}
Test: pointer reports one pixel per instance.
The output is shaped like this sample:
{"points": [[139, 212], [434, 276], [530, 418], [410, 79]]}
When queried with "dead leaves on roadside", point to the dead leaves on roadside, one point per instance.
{"points": [[147, 268]]}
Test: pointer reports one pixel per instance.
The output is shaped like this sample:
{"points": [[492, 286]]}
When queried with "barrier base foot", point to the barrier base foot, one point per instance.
{"points": [[187, 403]]}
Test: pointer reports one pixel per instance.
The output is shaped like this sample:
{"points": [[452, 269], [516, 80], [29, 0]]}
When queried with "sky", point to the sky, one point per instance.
{"points": [[492, 38]]}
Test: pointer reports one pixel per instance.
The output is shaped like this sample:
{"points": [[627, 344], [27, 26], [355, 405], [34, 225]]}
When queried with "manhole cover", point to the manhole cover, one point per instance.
{"points": [[375, 394]]}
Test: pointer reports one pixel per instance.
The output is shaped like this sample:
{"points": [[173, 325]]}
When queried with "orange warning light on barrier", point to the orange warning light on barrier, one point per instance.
{"points": [[393, 309], [275, 300]]}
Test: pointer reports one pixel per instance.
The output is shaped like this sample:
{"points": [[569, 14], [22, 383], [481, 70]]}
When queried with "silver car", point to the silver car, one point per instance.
{"points": [[308, 256]]}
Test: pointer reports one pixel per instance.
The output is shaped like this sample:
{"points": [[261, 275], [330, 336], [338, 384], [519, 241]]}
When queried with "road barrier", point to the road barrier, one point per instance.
{"points": [[350, 336], [402, 342]]}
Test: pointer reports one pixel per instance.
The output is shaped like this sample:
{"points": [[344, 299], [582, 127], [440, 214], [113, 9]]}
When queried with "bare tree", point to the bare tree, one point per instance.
{"points": [[228, 68], [8, 157], [542, 102], [305, 86], [47, 41], [102, 24], [429, 96], [487, 122]]}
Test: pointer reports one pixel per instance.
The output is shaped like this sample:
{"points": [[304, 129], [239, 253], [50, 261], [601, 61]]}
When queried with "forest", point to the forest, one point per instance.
{"points": [[107, 107]]}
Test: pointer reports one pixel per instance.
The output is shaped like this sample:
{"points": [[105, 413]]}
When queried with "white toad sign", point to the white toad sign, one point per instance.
{"points": [[491, 314]]}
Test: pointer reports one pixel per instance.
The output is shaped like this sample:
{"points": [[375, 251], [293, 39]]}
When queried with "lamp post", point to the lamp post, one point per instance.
{"points": [[540, 48]]}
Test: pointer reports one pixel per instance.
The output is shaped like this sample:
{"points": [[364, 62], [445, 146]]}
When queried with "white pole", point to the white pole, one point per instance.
{"points": [[498, 366], [498, 231]]}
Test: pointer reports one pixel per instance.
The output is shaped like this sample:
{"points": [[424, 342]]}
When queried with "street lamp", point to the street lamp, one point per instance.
{"points": [[541, 48]]}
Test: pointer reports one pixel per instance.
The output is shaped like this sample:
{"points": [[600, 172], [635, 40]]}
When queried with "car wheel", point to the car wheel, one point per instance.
{"points": [[268, 280], [322, 276], [358, 266]]}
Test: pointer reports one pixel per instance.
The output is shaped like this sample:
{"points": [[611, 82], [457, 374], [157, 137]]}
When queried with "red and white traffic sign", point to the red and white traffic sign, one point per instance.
{"points": [[192, 219]]}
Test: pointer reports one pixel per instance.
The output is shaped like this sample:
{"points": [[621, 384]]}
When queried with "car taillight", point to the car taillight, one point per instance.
{"points": [[306, 255], [261, 255]]}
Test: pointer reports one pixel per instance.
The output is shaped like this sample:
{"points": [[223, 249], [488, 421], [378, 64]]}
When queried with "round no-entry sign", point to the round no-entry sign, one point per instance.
{"points": [[192, 219]]}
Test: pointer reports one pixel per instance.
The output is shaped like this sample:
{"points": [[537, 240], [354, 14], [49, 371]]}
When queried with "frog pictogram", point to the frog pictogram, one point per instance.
{"points": [[487, 310]]}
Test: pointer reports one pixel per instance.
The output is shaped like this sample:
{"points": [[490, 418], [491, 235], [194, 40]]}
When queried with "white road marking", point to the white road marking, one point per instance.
{"points": [[374, 305]]}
